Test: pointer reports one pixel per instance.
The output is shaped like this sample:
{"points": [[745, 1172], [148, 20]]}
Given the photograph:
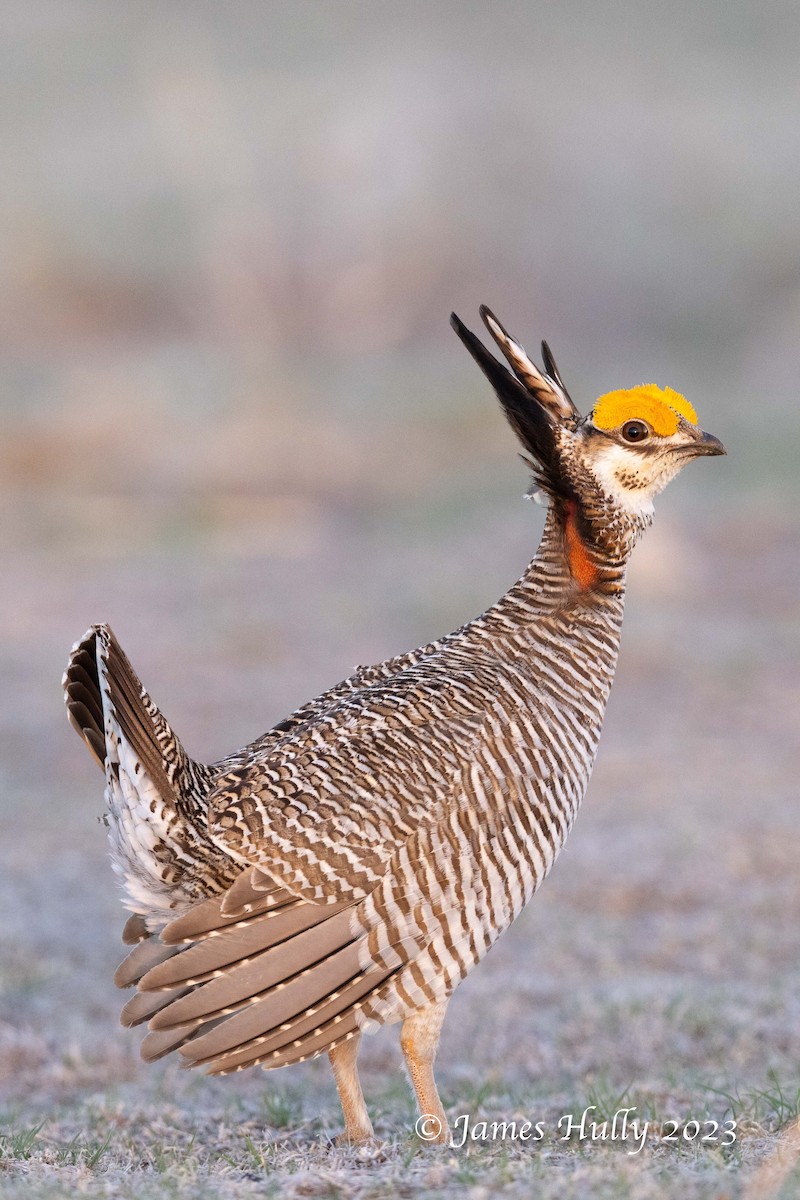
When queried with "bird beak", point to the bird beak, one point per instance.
{"points": [[701, 443], [708, 444]]}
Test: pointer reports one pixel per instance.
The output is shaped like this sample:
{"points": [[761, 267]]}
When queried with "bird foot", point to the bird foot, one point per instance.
{"points": [[355, 1137]]}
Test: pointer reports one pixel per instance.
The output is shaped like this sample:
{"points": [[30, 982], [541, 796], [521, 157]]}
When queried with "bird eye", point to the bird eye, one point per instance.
{"points": [[634, 431]]}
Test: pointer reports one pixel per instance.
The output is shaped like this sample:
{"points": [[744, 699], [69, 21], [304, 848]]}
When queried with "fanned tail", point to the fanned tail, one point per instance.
{"points": [[106, 703], [161, 851]]}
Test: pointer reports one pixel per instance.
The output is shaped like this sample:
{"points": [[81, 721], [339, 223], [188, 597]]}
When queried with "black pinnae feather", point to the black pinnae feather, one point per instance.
{"points": [[529, 420], [551, 368]]}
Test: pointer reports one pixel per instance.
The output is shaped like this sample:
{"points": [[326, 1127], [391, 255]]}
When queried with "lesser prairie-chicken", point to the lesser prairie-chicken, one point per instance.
{"points": [[352, 865]]}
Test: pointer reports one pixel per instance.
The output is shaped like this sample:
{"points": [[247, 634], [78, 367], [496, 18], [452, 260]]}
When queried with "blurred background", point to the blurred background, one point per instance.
{"points": [[236, 425]]}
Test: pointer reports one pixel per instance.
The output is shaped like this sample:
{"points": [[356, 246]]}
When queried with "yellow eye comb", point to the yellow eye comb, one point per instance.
{"points": [[660, 407]]}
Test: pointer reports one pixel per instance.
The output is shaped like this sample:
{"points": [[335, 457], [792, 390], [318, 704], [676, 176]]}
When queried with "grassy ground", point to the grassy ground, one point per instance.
{"points": [[242, 1145], [658, 968]]}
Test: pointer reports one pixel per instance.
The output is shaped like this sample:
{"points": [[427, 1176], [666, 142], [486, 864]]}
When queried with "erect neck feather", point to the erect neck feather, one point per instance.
{"points": [[570, 571], [590, 555], [583, 563]]}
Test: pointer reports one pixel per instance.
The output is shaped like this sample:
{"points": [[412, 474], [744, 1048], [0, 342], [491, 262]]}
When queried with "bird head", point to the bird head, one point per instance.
{"points": [[635, 440], [610, 464]]}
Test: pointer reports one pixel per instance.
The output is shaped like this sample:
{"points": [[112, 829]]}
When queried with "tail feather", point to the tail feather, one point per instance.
{"points": [[161, 851], [105, 699], [141, 724], [82, 697]]}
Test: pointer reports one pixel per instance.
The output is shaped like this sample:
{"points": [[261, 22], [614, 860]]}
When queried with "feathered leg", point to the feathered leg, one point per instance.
{"points": [[357, 1125], [419, 1039]]}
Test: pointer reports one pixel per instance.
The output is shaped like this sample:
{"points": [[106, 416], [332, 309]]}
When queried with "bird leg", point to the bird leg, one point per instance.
{"points": [[419, 1039], [357, 1125]]}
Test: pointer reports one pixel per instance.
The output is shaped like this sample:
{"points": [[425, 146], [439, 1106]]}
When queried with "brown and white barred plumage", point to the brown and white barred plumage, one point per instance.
{"points": [[352, 865]]}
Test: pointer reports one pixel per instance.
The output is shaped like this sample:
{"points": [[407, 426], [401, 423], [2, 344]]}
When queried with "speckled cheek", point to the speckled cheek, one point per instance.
{"points": [[631, 480]]}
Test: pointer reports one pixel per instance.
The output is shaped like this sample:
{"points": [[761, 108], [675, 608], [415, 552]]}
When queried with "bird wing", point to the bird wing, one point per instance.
{"points": [[321, 812]]}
